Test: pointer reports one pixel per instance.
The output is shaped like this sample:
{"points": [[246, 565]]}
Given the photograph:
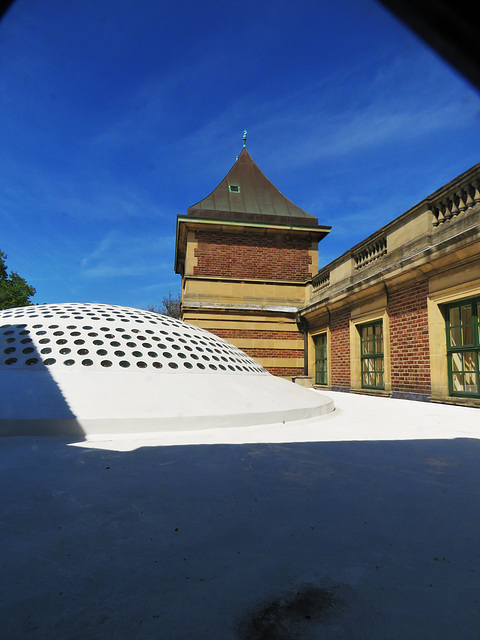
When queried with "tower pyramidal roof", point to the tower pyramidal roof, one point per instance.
{"points": [[246, 194]]}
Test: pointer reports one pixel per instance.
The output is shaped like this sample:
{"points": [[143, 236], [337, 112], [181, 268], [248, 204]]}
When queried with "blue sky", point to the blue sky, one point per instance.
{"points": [[115, 116]]}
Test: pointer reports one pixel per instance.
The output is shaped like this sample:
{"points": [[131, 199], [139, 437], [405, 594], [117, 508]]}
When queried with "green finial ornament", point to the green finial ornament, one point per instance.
{"points": [[244, 138]]}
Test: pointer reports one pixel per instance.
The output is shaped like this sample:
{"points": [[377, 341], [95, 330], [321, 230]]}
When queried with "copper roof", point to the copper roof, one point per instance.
{"points": [[246, 194]]}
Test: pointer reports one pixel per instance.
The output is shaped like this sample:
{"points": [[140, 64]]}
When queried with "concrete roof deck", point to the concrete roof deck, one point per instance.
{"points": [[361, 524]]}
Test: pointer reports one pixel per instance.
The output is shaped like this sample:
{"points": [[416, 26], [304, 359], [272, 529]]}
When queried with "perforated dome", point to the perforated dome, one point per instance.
{"points": [[97, 368], [100, 336]]}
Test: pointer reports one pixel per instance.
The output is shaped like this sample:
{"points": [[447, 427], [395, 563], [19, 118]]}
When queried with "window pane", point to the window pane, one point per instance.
{"points": [[467, 314], [469, 361], [457, 362], [467, 334], [379, 380], [457, 380], [455, 337], [379, 345], [471, 385], [455, 316]]}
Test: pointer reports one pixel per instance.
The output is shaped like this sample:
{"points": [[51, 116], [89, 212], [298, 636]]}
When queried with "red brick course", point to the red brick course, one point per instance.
{"points": [[409, 344], [228, 334], [252, 256]]}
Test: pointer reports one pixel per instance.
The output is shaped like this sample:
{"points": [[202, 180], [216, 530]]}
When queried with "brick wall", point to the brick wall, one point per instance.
{"points": [[265, 351], [252, 256], [340, 348], [410, 354]]}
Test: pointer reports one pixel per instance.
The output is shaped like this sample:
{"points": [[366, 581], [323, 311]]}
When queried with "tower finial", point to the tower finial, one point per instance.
{"points": [[244, 138]]}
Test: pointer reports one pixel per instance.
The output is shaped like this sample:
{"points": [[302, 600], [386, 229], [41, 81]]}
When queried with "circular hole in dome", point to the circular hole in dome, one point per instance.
{"points": [[141, 365], [87, 327], [104, 328], [188, 365], [152, 354], [61, 341], [28, 350], [124, 363], [231, 368], [148, 331], [23, 333], [22, 326], [114, 343], [222, 367], [187, 348], [44, 340], [166, 354], [238, 368], [106, 363], [199, 349], [75, 333], [213, 367], [209, 350], [79, 341], [169, 339], [135, 330], [39, 333], [49, 361], [147, 345], [216, 358], [207, 358], [72, 326], [98, 342], [37, 326], [9, 350], [26, 340], [173, 365], [182, 340], [175, 333], [194, 356], [87, 362], [165, 333], [137, 354], [82, 352], [157, 365], [53, 326], [126, 336], [65, 350], [119, 353], [31, 361], [177, 347], [10, 360], [92, 334], [110, 336], [102, 352], [181, 355], [120, 329], [200, 365], [131, 344]]}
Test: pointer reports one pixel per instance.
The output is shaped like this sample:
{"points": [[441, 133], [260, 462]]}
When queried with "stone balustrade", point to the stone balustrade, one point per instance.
{"points": [[321, 280], [371, 252], [449, 206]]}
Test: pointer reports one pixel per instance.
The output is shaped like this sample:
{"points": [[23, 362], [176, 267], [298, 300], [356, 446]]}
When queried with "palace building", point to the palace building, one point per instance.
{"points": [[398, 314]]}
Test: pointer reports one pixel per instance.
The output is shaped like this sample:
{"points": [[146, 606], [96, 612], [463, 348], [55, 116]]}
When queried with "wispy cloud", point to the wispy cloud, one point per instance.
{"points": [[120, 255]]}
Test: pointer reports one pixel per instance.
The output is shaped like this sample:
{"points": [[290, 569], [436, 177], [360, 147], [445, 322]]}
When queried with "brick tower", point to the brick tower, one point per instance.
{"points": [[246, 254]]}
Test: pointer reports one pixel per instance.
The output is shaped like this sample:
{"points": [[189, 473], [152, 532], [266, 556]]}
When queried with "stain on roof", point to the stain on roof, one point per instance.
{"points": [[246, 194]]}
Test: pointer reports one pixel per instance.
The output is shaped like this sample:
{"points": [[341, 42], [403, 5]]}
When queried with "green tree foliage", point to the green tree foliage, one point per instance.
{"points": [[171, 306], [14, 290]]}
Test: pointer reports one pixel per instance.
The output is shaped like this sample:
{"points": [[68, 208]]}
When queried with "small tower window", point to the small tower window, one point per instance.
{"points": [[234, 188]]}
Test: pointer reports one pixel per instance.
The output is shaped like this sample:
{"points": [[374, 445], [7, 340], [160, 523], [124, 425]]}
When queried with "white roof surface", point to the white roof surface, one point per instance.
{"points": [[361, 524]]}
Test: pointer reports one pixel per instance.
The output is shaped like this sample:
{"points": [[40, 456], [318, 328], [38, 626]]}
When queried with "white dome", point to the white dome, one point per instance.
{"points": [[79, 368]]}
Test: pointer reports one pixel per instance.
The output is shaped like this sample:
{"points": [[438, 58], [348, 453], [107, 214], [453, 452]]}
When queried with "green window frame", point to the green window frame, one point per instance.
{"points": [[371, 355], [462, 320], [321, 359]]}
